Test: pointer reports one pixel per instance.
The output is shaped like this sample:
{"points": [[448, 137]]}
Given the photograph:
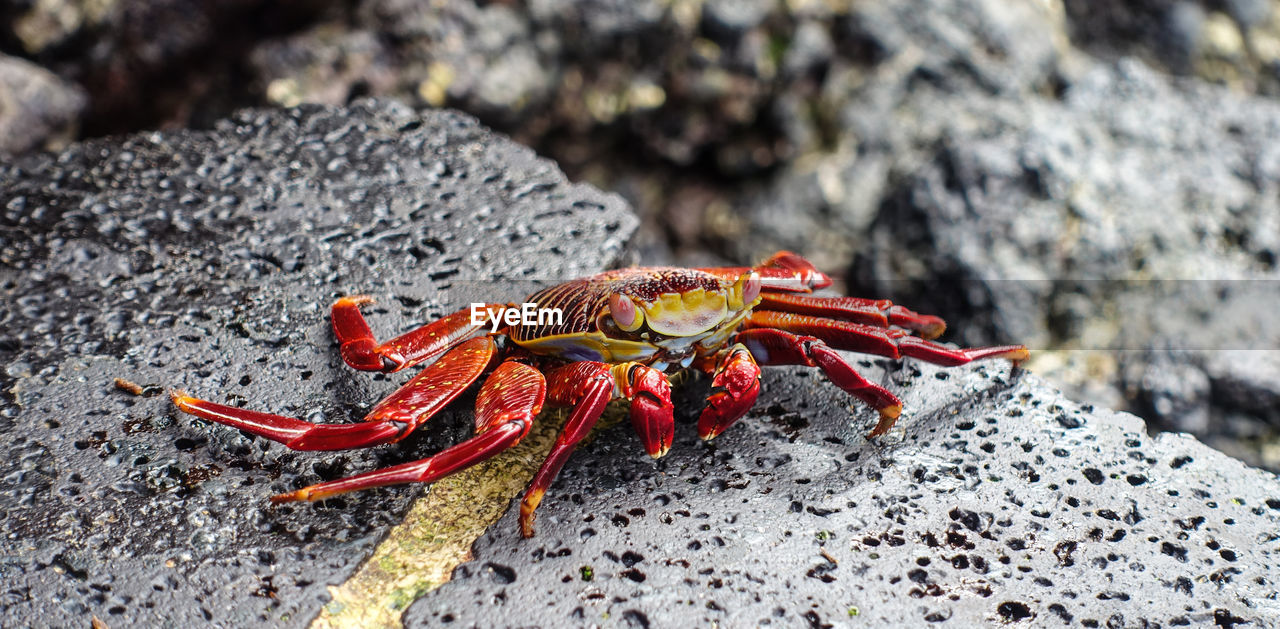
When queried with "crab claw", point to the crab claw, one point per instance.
{"points": [[733, 392], [652, 414]]}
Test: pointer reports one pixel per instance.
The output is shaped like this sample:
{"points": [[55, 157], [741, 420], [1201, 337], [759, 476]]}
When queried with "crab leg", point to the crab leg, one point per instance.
{"points": [[588, 386], [734, 388], [505, 409], [391, 420], [784, 271], [878, 312], [776, 347], [361, 351], [889, 342]]}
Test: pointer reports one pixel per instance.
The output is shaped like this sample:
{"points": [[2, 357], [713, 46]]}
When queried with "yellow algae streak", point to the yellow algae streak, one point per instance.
{"points": [[436, 536], [421, 553]]}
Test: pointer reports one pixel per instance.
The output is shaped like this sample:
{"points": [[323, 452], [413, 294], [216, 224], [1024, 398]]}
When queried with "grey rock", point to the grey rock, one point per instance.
{"points": [[810, 51], [145, 64], [485, 59], [37, 109], [1073, 204], [1222, 41], [729, 19], [995, 500], [324, 67], [1171, 31], [1047, 190], [887, 53], [1172, 389], [581, 80], [1092, 253], [1009, 47], [1249, 12], [1246, 380], [1183, 33], [206, 261], [595, 25]]}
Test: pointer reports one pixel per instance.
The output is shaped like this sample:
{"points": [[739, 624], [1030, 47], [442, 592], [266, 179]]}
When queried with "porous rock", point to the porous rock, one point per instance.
{"points": [[996, 500], [206, 261]]}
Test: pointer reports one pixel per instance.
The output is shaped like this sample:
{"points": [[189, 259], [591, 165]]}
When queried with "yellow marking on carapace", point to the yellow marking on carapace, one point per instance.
{"points": [[687, 314]]}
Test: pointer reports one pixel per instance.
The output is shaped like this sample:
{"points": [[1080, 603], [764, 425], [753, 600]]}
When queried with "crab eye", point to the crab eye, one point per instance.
{"points": [[751, 288], [624, 312]]}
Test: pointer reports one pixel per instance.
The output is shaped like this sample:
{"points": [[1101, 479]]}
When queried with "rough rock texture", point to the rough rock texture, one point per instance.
{"points": [[680, 104], [1094, 196], [938, 149], [1235, 42], [996, 500], [206, 261], [628, 82], [929, 146], [149, 64], [37, 109], [1128, 215], [1036, 195], [883, 114]]}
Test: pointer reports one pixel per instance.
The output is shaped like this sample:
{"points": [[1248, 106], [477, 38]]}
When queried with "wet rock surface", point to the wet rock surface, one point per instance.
{"points": [[995, 500], [207, 261]]}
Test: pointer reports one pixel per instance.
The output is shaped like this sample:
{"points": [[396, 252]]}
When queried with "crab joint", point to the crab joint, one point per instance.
{"points": [[526, 314]]}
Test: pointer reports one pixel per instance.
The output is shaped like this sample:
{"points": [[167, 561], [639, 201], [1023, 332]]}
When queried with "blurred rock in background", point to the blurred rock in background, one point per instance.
{"points": [[156, 64], [38, 110], [1096, 179], [1233, 42]]}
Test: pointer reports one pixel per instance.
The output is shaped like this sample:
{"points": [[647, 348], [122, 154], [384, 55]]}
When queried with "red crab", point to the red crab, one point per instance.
{"points": [[622, 332]]}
